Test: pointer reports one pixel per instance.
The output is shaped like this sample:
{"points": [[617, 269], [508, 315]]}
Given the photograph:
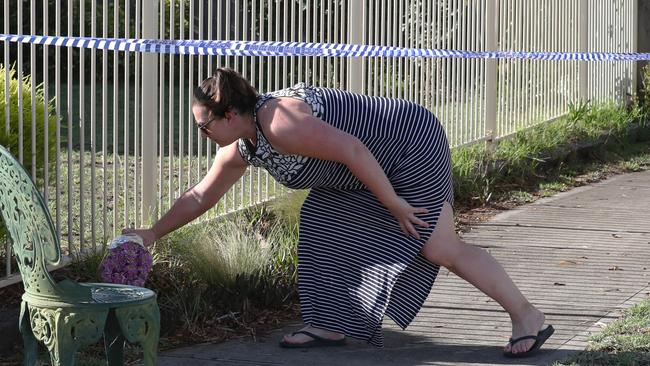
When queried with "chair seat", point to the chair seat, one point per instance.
{"points": [[100, 295], [105, 293]]}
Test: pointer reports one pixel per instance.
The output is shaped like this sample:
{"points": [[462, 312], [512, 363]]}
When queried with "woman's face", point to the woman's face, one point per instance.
{"points": [[217, 129]]}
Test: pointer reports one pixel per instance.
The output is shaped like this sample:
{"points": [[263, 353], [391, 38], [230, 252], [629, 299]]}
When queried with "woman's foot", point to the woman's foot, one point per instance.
{"points": [[528, 323], [299, 338]]}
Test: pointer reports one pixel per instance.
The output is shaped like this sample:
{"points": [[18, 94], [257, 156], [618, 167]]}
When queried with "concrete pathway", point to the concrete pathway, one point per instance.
{"points": [[581, 256]]}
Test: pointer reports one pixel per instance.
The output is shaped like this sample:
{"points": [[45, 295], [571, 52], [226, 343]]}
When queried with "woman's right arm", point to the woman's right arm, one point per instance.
{"points": [[226, 169]]}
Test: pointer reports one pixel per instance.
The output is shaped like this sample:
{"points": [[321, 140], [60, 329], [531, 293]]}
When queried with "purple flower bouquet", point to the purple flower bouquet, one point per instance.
{"points": [[128, 262]]}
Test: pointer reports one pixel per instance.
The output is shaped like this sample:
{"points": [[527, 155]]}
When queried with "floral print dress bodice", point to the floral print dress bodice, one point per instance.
{"points": [[284, 168]]}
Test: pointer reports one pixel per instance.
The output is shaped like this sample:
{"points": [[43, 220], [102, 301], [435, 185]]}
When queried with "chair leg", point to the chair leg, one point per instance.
{"points": [[62, 351], [150, 343], [29, 341], [113, 340], [141, 324], [73, 329]]}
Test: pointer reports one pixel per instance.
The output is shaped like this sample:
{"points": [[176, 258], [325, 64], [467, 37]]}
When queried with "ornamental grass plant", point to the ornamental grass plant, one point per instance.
{"points": [[230, 270]]}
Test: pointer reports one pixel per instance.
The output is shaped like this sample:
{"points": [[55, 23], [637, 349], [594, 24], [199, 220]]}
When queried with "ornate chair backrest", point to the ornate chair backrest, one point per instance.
{"points": [[30, 226]]}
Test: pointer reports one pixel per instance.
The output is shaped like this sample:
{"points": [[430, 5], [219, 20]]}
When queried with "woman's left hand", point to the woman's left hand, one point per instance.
{"points": [[405, 215]]}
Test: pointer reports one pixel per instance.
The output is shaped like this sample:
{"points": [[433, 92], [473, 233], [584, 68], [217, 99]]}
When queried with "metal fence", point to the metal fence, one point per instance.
{"points": [[125, 144]]}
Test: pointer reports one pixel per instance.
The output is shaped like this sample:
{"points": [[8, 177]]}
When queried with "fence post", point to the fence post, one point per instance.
{"points": [[149, 111], [491, 71], [583, 44], [356, 25], [636, 66]]}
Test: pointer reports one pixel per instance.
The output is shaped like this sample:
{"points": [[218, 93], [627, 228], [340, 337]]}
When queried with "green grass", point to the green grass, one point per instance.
{"points": [[624, 342], [543, 157]]}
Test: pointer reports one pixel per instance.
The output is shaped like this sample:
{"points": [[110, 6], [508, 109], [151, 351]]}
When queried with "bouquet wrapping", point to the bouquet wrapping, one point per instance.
{"points": [[128, 262]]}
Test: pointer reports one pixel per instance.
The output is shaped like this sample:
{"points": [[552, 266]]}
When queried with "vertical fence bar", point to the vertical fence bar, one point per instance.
{"points": [[7, 101], [269, 75], [426, 13], [583, 46], [201, 74], [82, 129], [507, 68], [554, 82], [161, 109], [356, 35], [635, 44], [148, 117], [170, 111], [191, 158], [116, 68], [209, 72], [293, 60], [69, 100], [471, 103], [19, 77], [438, 64], [491, 36], [524, 72], [32, 71], [181, 109], [104, 123], [518, 87], [394, 41], [93, 122], [338, 31], [137, 187], [46, 103], [125, 123], [463, 100]]}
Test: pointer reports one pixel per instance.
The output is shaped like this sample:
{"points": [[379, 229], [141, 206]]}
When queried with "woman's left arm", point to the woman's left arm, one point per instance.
{"points": [[291, 129]]}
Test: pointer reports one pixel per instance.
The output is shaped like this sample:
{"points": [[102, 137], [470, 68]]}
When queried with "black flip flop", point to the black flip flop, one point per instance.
{"points": [[315, 342], [540, 338]]}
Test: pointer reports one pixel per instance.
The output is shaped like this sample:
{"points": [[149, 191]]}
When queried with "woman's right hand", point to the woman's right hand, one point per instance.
{"points": [[147, 235]]}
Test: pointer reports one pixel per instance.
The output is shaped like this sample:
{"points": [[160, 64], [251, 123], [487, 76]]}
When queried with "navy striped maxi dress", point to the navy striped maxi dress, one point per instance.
{"points": [[355, 263]]}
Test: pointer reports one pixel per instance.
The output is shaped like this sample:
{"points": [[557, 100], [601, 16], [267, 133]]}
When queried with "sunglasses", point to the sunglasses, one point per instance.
{"points": [[203, 126]]}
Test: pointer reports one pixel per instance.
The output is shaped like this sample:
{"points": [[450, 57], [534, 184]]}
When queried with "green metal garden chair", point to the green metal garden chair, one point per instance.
{"points": [[67, 315]]}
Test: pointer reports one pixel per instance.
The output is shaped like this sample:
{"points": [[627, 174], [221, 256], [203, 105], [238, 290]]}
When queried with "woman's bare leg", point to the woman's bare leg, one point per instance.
{"points": [[479, 268]]}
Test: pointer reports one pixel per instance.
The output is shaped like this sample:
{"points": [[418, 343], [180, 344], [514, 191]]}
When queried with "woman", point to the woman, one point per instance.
{"points": [[378, 221]]}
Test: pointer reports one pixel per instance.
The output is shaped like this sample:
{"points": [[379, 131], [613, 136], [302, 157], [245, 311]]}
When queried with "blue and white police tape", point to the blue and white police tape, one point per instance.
{"points": [[264, 48]]}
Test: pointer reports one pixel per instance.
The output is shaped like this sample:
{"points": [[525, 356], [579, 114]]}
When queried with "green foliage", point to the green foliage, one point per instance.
{"points": [[472, 172], [520, 160], [287, 208], [85, 267], [11, 138], [644, 102], [244, 262], [577, 112]]}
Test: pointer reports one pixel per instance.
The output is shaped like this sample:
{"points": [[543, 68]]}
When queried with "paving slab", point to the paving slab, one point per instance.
{"points": [[582, 256]]}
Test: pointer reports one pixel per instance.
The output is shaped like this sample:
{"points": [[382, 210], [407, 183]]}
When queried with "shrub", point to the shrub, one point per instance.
{"points": [[10, 140], [644, 102]]}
